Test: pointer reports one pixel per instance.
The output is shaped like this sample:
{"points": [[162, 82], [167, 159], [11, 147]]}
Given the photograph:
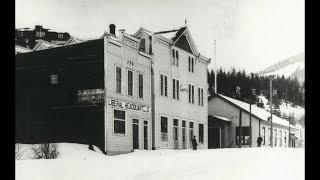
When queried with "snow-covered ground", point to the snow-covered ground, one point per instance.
{"points": [[77, 162]]}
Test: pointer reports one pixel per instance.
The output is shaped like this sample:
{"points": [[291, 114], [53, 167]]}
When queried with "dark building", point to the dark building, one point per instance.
{"points": [[49, 85], [27, 38]]}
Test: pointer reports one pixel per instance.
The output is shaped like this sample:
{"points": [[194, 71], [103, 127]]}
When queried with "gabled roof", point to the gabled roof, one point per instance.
{"points": [[42, 44], [73, 40], [257, 112], [21, 49]]}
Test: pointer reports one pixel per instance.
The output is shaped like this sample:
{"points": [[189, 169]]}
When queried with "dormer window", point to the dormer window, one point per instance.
{"points": [[40, 33], [142, 47], [175, 57]]}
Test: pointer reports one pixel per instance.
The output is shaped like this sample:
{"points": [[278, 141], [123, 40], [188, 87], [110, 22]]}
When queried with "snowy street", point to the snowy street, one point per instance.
{"points": [[77, 162]]}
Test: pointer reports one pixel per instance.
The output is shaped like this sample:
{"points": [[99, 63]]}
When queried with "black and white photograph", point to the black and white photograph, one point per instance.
{"points": [[159, 90]]}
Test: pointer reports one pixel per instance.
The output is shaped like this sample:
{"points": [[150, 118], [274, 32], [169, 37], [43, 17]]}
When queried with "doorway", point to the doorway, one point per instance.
{"points": [[145, 134], [135, 133], [175, 134]]}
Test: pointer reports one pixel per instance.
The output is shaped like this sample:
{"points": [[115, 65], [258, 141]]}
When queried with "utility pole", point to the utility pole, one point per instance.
{"points": [[215, 67], [250, 126], [271, 111]]}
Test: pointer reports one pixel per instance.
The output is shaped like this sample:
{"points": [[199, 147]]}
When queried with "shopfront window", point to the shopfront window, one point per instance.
{"points": [[119, 122]]}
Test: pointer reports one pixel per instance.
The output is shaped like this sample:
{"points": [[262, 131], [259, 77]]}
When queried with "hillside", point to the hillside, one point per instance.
{"points": [[291, 67]]}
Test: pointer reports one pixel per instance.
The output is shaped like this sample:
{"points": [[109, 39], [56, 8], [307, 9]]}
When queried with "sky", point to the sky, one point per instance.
{"points": [[250, 35]]}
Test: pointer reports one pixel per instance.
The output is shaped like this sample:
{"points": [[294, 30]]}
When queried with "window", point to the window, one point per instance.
{"points": [[201, 133], [269, 136], [175, 89], [142, 46], [140, 86], [191, 64], [163, 81], [183, 123], [118, 79], [191, 94], [191, 130], [119, 122], [130, 82], [54, 79], [175, 57], [280, 143], [200, 96], [40, 33], [164, 128], [275, 137], [60, 36], [285, 139], [264, 135]]}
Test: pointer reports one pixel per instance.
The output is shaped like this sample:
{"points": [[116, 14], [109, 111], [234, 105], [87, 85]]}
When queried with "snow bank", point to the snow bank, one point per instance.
{"points": [[77, 162]]}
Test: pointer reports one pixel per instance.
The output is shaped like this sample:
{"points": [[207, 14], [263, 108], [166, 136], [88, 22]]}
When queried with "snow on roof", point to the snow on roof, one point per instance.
{"points": [[222, 118], [21, 49], [257, 111]]}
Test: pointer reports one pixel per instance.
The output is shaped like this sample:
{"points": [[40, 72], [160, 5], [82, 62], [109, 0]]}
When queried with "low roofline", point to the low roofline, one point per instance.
{"points": [[242, 109]]}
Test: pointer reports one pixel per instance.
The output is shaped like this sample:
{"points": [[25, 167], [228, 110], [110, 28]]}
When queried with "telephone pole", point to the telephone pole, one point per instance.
{"points": [[271, 135], [215, 67]]}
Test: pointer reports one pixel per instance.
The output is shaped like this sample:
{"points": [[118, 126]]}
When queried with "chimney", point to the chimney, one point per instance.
{"points": [[112, 29]]}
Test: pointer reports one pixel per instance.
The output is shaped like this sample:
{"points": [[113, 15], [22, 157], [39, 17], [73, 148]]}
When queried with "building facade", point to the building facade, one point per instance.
{"points": [[27, 38], [180, 88], [227, 115], [124, 92]]}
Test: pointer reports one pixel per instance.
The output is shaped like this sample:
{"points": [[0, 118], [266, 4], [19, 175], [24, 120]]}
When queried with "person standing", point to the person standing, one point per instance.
{"points": [[259, 141], [194, 143]]}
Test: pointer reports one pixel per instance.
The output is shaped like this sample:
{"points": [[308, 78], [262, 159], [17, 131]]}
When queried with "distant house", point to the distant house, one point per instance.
{"points": [[229, 119], [28, 38], [73, 40], [41, 44], [20, 49]]}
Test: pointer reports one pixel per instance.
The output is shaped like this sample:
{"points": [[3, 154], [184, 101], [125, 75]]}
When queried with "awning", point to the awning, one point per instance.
{"points": [[222, 118]]}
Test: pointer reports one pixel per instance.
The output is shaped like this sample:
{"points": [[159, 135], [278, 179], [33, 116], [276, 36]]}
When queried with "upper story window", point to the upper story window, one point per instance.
{"points": [[54, 79], [175, 57], [40, 34], [191, 94], [60, 36], [118, 79], [130, 83], [175, 89], [164, 85], [142, 46], [140, 86], [200, 96], [191, 64], [269, 136]]}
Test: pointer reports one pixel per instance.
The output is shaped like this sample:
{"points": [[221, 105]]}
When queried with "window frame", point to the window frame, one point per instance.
{"points": [[161, 132], [141, 97], [163, 85], [264, 135], [128, 83], [201, 135], [175, 88], [122, 120], [118, 79]]}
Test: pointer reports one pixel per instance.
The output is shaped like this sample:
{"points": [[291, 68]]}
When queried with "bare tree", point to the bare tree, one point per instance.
{"points": [[45, 151], [18, 151]]}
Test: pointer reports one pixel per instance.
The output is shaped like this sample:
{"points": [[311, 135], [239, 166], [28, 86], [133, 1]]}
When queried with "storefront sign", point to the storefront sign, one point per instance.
{"points": [[91, 95], [127, 105]]}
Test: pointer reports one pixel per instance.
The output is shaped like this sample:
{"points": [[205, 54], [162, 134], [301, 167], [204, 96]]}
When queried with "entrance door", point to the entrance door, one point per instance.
{"points": [[175, 134], [145, 134], [214, 137], [184, 138], [135, 135]]}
